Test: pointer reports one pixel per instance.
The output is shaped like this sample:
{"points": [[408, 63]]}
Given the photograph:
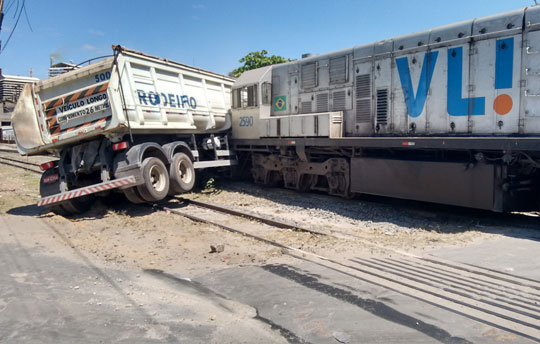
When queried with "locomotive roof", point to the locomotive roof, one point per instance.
{"points": [[512, 22], [251, 76]]}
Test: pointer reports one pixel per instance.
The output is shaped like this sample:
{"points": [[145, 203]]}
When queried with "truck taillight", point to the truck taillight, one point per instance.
{"points": [[46, 166], [120, 146]]}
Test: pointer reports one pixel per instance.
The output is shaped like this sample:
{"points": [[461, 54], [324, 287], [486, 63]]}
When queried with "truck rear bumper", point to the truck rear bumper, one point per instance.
{"points": [[88, 190]]}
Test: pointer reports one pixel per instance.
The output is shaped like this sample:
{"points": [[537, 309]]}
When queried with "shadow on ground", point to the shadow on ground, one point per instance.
{"points": [[27, 210], [114, 202]]}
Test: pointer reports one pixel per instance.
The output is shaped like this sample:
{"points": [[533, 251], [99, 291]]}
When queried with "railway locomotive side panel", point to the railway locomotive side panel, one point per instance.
{"points": [[464, 96]]}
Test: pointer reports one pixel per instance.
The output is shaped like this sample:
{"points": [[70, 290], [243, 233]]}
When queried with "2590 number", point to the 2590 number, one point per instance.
{"points": [[246, 121]]}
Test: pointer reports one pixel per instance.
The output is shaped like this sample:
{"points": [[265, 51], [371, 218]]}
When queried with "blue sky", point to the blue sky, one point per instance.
{"points": [[214, 34]]}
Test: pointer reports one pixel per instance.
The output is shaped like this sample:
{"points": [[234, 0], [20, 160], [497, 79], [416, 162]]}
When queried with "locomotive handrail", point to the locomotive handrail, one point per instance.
{"points": [[529, 52], [531, 95], [527, 70]]}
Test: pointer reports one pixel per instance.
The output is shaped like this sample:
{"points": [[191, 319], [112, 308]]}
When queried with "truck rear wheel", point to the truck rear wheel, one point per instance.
{"points": [[133, 195], [69, 207], [78, 205], [182, 174], [156, 180]]}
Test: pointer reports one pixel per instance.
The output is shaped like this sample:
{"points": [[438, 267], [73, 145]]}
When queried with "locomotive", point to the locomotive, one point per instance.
{"points": [[449, 115]]}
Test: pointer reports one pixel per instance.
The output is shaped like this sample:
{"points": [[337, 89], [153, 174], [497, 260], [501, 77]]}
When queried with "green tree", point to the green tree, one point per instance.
{"points": [[257, 59]]}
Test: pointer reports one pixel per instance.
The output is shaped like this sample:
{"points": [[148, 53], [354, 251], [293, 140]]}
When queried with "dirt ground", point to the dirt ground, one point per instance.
{"points": [[142, 237], [137, 236]]}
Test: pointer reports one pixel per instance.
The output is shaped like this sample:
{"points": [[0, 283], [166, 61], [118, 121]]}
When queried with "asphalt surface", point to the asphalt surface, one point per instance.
{"points": [[517, 256], [320, 306], [50, 292]]}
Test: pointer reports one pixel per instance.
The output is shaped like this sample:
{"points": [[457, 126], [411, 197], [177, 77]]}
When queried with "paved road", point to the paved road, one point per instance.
{"points": [[52, 293]]}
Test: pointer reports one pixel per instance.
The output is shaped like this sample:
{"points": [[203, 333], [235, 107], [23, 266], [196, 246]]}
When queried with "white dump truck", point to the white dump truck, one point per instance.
{"points": [[133, 123]]}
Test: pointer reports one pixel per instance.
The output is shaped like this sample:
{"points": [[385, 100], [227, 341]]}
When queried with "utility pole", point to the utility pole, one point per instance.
{"points": [[1, 13], [1, 18]]}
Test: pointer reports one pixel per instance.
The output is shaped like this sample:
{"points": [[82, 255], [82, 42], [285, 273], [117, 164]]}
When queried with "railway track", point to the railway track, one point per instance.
{"points": [[504, 301], [280, 223], [21, 164], [525, 220]]}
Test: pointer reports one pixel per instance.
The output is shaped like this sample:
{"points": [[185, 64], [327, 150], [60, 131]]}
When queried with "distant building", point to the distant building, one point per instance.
{"points": [[10, 90], [60, 68], [11, 86]]}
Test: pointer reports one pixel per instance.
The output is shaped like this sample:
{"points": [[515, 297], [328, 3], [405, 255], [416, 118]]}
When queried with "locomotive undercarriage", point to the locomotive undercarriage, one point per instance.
{"points": [[494, 180], [330, 175]]}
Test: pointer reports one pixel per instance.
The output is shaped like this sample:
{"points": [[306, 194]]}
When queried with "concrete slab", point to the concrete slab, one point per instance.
{"points": [[317, 304], [517, 256]]}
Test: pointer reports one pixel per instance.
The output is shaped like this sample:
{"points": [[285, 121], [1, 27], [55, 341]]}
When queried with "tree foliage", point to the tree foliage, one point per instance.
{"points": [[257, 59]]}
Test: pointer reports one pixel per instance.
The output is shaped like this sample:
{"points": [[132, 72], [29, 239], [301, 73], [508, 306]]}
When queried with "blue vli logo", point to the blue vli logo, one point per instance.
{"points": [[456, 105], [415, 104]]}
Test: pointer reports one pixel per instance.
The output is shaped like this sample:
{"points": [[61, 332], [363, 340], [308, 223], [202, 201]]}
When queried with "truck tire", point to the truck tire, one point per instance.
{"points": [[156, 180], [69, 207], [133, 195], [78, 205], [182, 174]]}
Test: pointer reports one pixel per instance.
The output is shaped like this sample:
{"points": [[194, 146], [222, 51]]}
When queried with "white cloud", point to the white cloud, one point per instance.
{"points": [[96, 32], [90, 47]]}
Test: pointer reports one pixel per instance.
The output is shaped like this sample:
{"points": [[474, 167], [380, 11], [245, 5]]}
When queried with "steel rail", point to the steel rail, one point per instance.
{"points": [[19, 161], [249, 215], [285, 224], [21, 167]]}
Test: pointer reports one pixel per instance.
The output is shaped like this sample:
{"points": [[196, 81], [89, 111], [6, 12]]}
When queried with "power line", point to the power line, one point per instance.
{"points": [[17, 9], [26, 15], [14, 27], [9, 6]]}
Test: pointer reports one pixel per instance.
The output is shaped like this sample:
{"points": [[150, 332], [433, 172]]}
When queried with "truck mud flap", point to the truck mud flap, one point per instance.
{"points": [[87, 190]]}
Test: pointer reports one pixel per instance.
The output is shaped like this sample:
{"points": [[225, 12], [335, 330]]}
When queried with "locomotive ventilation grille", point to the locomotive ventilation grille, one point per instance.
{"points": [[322, 102], [305, 107], [309, 75], [338, 101], [338, 70], [363, 98], [382, 106]]}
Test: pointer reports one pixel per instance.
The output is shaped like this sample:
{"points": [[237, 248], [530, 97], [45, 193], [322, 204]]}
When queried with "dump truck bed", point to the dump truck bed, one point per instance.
{"points": [[129, 92]]}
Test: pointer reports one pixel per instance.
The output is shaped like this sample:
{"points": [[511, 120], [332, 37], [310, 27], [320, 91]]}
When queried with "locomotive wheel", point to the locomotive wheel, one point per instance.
{"points": [[133, 195], [156, 180], [305, 182], [257, 173], [274, 179], [182, 174]]}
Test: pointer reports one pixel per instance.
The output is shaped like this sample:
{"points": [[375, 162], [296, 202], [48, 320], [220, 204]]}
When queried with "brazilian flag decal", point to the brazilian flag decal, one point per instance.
{"points": [[280, 103]]}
